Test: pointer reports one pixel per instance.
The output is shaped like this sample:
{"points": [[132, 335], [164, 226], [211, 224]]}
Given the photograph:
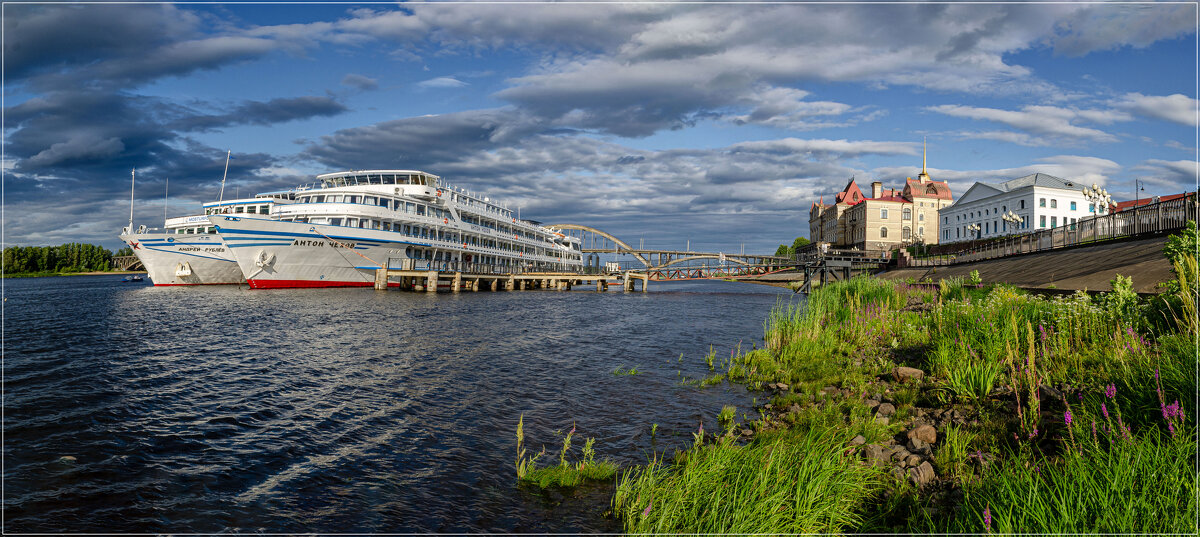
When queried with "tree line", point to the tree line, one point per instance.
{"points": [[785, 250], [70, 257]]}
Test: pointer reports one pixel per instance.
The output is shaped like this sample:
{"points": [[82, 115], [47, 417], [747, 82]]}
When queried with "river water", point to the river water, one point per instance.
{"points": [[133, 408]]}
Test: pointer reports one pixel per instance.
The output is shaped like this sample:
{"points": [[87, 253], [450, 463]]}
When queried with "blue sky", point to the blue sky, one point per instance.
{"points": [[719, 124]]}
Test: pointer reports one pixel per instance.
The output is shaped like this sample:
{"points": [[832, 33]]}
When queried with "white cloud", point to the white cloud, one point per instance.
{"points": [[1049, 121], [442, 82], [1110, 26], [1177, 108]]}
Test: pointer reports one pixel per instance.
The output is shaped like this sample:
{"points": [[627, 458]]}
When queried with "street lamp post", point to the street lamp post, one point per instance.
{"points": [[1101, 200], [1013, 218]]}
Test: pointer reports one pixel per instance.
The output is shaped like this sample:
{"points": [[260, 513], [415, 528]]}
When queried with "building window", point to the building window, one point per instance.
{"points": [[1053, 203], [1022, 204], [1042, 202], [921, 232], [986, 226], [906, 233], [1072, 206], [1042, 221], [921, 217], [906, 214], [883, 231], [1091, 207], [946, 220], [1053, 221], [883, 214]]}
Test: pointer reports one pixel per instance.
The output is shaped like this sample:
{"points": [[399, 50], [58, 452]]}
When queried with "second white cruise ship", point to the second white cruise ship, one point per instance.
{"points": [[339, 231]]}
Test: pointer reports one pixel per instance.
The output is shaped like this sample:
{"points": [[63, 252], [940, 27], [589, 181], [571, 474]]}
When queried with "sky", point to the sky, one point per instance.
{"points": [[665, 124]]}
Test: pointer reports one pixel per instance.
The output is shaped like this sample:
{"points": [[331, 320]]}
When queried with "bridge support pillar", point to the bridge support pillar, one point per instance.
{"points": [[495, 284], [381, 279], [457, 282], [431, 281]]}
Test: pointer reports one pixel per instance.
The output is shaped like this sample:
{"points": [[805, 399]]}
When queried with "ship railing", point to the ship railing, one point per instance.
{"points": [[400, 263]]}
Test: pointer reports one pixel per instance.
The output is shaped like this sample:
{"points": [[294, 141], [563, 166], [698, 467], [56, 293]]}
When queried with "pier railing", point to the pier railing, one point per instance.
{"points": [[401, 263], [1146, 220]]}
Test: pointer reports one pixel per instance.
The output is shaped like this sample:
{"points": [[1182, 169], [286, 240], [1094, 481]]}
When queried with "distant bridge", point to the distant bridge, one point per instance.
{"points": [[673, 264], [127, 262]]}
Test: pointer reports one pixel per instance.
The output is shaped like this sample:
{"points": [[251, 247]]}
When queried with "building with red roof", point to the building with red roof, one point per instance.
{"points": [[887, 219]]}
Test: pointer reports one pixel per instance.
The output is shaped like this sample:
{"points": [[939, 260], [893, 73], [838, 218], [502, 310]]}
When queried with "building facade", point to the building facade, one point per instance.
{"points": [[1042, 201], [887, 219]]}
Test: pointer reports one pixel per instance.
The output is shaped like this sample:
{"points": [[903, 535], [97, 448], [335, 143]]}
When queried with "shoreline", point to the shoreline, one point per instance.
{"points": [[88, 273], [935, 437]]}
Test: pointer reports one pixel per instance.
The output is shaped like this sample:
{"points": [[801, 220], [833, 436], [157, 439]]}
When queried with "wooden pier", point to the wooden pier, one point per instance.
{"points": [[430, 281]]}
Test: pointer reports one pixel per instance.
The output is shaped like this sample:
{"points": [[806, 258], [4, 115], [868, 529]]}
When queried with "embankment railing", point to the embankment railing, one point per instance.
{"points": [[1149, 219]]}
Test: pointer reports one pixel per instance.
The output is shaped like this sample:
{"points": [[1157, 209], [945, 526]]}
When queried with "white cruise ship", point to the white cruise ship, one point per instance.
{"points": [[188, 251], [339, 231]]}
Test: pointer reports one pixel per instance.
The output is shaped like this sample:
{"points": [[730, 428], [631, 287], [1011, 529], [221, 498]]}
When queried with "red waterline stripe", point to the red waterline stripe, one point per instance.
{"points": [[185, 284], [293, 284]]}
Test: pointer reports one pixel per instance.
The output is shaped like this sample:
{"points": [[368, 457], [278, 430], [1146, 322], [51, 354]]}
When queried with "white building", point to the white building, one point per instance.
{"points": [[1044, 201]]}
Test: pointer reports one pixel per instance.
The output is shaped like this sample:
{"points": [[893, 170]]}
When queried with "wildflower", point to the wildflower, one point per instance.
{"points": [[1067, 418], [1110, 391], [648, 508], [1104, 409], [987, 519]]}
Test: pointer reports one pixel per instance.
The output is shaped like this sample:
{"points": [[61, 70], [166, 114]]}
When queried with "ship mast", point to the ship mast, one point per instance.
{"points": [[131, 178], [226, 174]]}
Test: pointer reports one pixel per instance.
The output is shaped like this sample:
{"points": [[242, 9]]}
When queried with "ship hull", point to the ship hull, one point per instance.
{"points": [[181, 259], [275, 254]]}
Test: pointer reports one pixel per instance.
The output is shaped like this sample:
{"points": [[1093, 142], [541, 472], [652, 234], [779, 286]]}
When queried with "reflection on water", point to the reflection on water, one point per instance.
{"points": [[342, 410]]}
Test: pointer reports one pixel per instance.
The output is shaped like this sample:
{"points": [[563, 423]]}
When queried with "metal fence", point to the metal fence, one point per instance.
{"points": [[1149, 219], [400, 263]]}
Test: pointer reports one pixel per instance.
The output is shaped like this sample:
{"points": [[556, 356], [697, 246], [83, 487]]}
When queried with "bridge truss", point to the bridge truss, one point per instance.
{"points": [[670, 264]]}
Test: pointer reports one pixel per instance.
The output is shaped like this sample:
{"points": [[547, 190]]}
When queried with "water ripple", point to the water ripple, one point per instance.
{"points": [[224, 410]]}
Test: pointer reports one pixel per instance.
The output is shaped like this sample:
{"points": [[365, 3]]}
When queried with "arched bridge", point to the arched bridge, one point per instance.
{"points": [[596, 241], [127, 262]]}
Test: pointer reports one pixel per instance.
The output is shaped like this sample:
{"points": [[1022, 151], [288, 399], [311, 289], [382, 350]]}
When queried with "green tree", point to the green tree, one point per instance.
{"points": [[783, 251], [799, 242], [124, 251]]}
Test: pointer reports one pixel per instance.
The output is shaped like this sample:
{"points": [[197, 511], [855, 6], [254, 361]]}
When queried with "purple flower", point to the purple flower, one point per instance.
{"points": [[987, 519], [1110, 391], [1104, 409], [1067, 418], [648, 508]]}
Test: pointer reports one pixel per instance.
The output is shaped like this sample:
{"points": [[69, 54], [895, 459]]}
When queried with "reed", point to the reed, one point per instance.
{"points": [[782, 483]]}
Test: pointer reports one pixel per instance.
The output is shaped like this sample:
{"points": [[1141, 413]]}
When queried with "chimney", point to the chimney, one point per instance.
{"points": [[876, 189]]}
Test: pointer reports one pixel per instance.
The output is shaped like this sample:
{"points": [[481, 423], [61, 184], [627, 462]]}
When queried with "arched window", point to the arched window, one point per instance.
{"points": [[921, 231], [907, 213], [921, 216], [906, 233], [931, 189], [883, 232], [1022, 204]]}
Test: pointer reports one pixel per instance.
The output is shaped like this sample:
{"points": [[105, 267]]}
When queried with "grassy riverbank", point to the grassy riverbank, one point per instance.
{"points": [[960, 409]]}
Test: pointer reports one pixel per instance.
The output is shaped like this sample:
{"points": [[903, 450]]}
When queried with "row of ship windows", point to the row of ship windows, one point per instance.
{"points": [[248, 209], [409, 207], [406, 229]]}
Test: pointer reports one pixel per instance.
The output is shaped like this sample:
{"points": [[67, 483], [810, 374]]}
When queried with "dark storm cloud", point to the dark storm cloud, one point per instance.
{"points": [[360, 82], [113, 45], [265, 113], [86, 143]]}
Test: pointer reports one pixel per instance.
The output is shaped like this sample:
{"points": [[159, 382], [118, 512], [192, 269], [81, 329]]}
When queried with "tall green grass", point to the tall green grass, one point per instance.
{"points": [[781, 483]]}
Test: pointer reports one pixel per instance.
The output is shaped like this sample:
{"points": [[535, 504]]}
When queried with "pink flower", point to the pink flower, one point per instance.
{"points": [[1067, 418], [648, 508], [1110, 391], [987, 519]]}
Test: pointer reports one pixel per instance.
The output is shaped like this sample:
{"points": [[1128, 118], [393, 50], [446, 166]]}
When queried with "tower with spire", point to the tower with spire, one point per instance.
{"points": [[923, 177]]}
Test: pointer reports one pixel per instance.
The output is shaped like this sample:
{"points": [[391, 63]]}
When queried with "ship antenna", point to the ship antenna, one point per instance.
{"points": [[226, 174], [132, 174]]}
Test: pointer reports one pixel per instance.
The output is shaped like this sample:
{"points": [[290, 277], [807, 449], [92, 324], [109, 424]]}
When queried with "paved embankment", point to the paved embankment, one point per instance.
{"points": [[1087, 267]]}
